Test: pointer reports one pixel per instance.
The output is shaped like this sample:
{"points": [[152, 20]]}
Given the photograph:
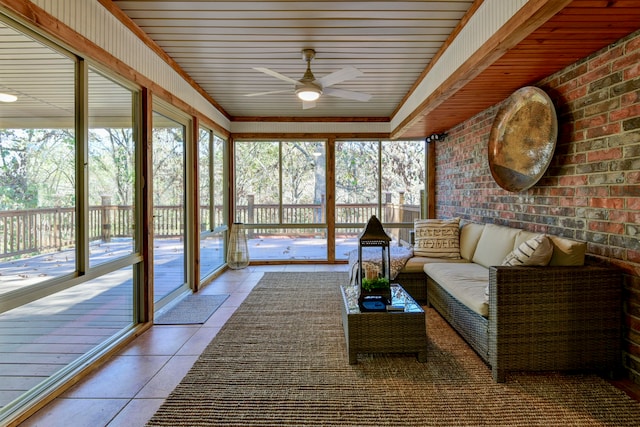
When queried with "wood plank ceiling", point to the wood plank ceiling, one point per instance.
{"points": [[218, 44], [391, 42]]}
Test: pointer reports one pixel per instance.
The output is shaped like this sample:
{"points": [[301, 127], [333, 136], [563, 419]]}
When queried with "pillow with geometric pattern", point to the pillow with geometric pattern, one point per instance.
{"points": [[535, 251], [437, 238]]}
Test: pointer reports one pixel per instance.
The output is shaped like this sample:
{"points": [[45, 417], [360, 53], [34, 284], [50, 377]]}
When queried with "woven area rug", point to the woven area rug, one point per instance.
{"points": [[281, 360], [193, 309]]}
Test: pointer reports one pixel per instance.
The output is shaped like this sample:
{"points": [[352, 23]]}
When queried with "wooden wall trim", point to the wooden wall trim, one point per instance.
{"points": [[533, 14], [133, 27], [463, 22], [193, 161], [146, 248], [60, 33], [312, 119], [283, 136]]}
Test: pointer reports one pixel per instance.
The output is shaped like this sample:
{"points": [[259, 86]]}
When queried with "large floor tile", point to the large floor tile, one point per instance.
{"points": [[136, 413], [161, 340], [167, 378], [121, 377], [199, 341], [76, 413]]}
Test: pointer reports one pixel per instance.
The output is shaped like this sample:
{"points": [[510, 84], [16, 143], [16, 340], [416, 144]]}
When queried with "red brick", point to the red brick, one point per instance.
{"points": [[633, 203], [632, 72], [600, 155], [626, 61], [606, 57], [611, 129], [606, 203], [633, 177], [606, 227], [594, 75], [592, 191], [618, 216], [630, 98], [578, 93], [625, 113], [574, 201], [563, 191], [633, 256], [633, 44], [591, 122], [572, 181]]}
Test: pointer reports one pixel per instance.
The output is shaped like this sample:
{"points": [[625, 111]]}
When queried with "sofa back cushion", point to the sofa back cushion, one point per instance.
{"points": [[567, 251], [469, 235], [496, 242], [523, 236], [437, 238], [535, 251]]}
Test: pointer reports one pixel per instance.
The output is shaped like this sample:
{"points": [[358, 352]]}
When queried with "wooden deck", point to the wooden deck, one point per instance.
{"points": [[42, 337]]}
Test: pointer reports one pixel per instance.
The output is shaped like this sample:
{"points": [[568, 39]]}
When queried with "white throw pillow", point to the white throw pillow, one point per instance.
{"points": [[535, 251], [437, 238]]}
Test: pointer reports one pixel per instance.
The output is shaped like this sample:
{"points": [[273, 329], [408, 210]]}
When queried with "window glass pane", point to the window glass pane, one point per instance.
{"points": [[219, 183], [303, 182], [287, 244], [211, 252], [111, 170], [168, 206], [257, 182], [211, 241], [356, 181], [37, 164], [52, 332], [204, 178], [403, 184], [356, 175]]}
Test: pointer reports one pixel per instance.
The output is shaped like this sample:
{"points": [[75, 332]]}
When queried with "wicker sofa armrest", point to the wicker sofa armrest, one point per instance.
{"points": [[554, 318]]}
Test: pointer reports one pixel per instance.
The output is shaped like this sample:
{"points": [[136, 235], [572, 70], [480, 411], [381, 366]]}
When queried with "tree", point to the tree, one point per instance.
{"points": [[111, 165], [38, 166]]}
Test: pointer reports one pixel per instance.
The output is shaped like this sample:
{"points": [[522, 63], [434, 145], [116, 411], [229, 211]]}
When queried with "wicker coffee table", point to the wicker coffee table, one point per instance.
{"points": [[384, 332]]}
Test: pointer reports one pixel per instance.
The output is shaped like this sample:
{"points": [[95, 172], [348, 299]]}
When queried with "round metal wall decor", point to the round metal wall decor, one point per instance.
{"points": [[523, 139]]}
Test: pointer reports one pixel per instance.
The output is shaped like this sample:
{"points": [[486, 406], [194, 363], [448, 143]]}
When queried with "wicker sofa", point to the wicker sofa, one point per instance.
{"points": [[562, 316]]}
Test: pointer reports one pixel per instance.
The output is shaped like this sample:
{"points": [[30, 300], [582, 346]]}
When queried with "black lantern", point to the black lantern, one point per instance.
{"points": [[374, 277]]}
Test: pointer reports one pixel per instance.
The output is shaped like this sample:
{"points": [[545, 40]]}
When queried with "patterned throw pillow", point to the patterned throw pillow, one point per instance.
{"points": [[535, 251], [437, 238]]}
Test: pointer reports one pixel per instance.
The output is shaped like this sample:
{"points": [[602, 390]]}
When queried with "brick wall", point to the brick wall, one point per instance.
{"points": [[591, 190]]}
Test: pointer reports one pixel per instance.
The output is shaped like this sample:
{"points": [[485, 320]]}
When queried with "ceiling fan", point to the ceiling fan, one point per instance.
{"points": [[308, 88]]}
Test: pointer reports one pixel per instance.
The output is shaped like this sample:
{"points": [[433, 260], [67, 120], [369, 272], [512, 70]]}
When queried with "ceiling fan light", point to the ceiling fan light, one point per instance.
{"points": [[308, 93], [5, 97]]}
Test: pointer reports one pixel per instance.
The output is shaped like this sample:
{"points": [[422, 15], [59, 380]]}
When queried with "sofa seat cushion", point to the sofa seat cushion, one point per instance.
{"points": [[416, 264], [465, 282]]}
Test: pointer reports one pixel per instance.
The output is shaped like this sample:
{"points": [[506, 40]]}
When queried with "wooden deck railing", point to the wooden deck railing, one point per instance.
{"points": [[52, 229]]}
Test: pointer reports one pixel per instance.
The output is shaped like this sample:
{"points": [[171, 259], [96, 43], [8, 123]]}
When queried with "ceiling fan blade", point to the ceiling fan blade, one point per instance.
{"points": [[308, 104], [276, 74], [348, 94], [339, 76], [268, 93]]}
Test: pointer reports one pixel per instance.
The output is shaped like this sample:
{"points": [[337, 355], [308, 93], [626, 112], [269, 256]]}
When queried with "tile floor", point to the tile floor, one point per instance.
{"points": [[129, 388]]}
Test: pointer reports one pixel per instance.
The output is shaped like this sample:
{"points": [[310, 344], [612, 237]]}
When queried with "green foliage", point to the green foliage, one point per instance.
{"points": [[379, 283]]}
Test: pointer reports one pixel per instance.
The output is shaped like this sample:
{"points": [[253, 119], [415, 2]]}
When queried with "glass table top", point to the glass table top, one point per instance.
{"points": [[400, 300]]}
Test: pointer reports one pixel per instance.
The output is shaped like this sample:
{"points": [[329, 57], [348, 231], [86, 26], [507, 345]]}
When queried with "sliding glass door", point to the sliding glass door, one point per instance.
{"points": [[169, 204], [212, 201], [280, 196]]}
